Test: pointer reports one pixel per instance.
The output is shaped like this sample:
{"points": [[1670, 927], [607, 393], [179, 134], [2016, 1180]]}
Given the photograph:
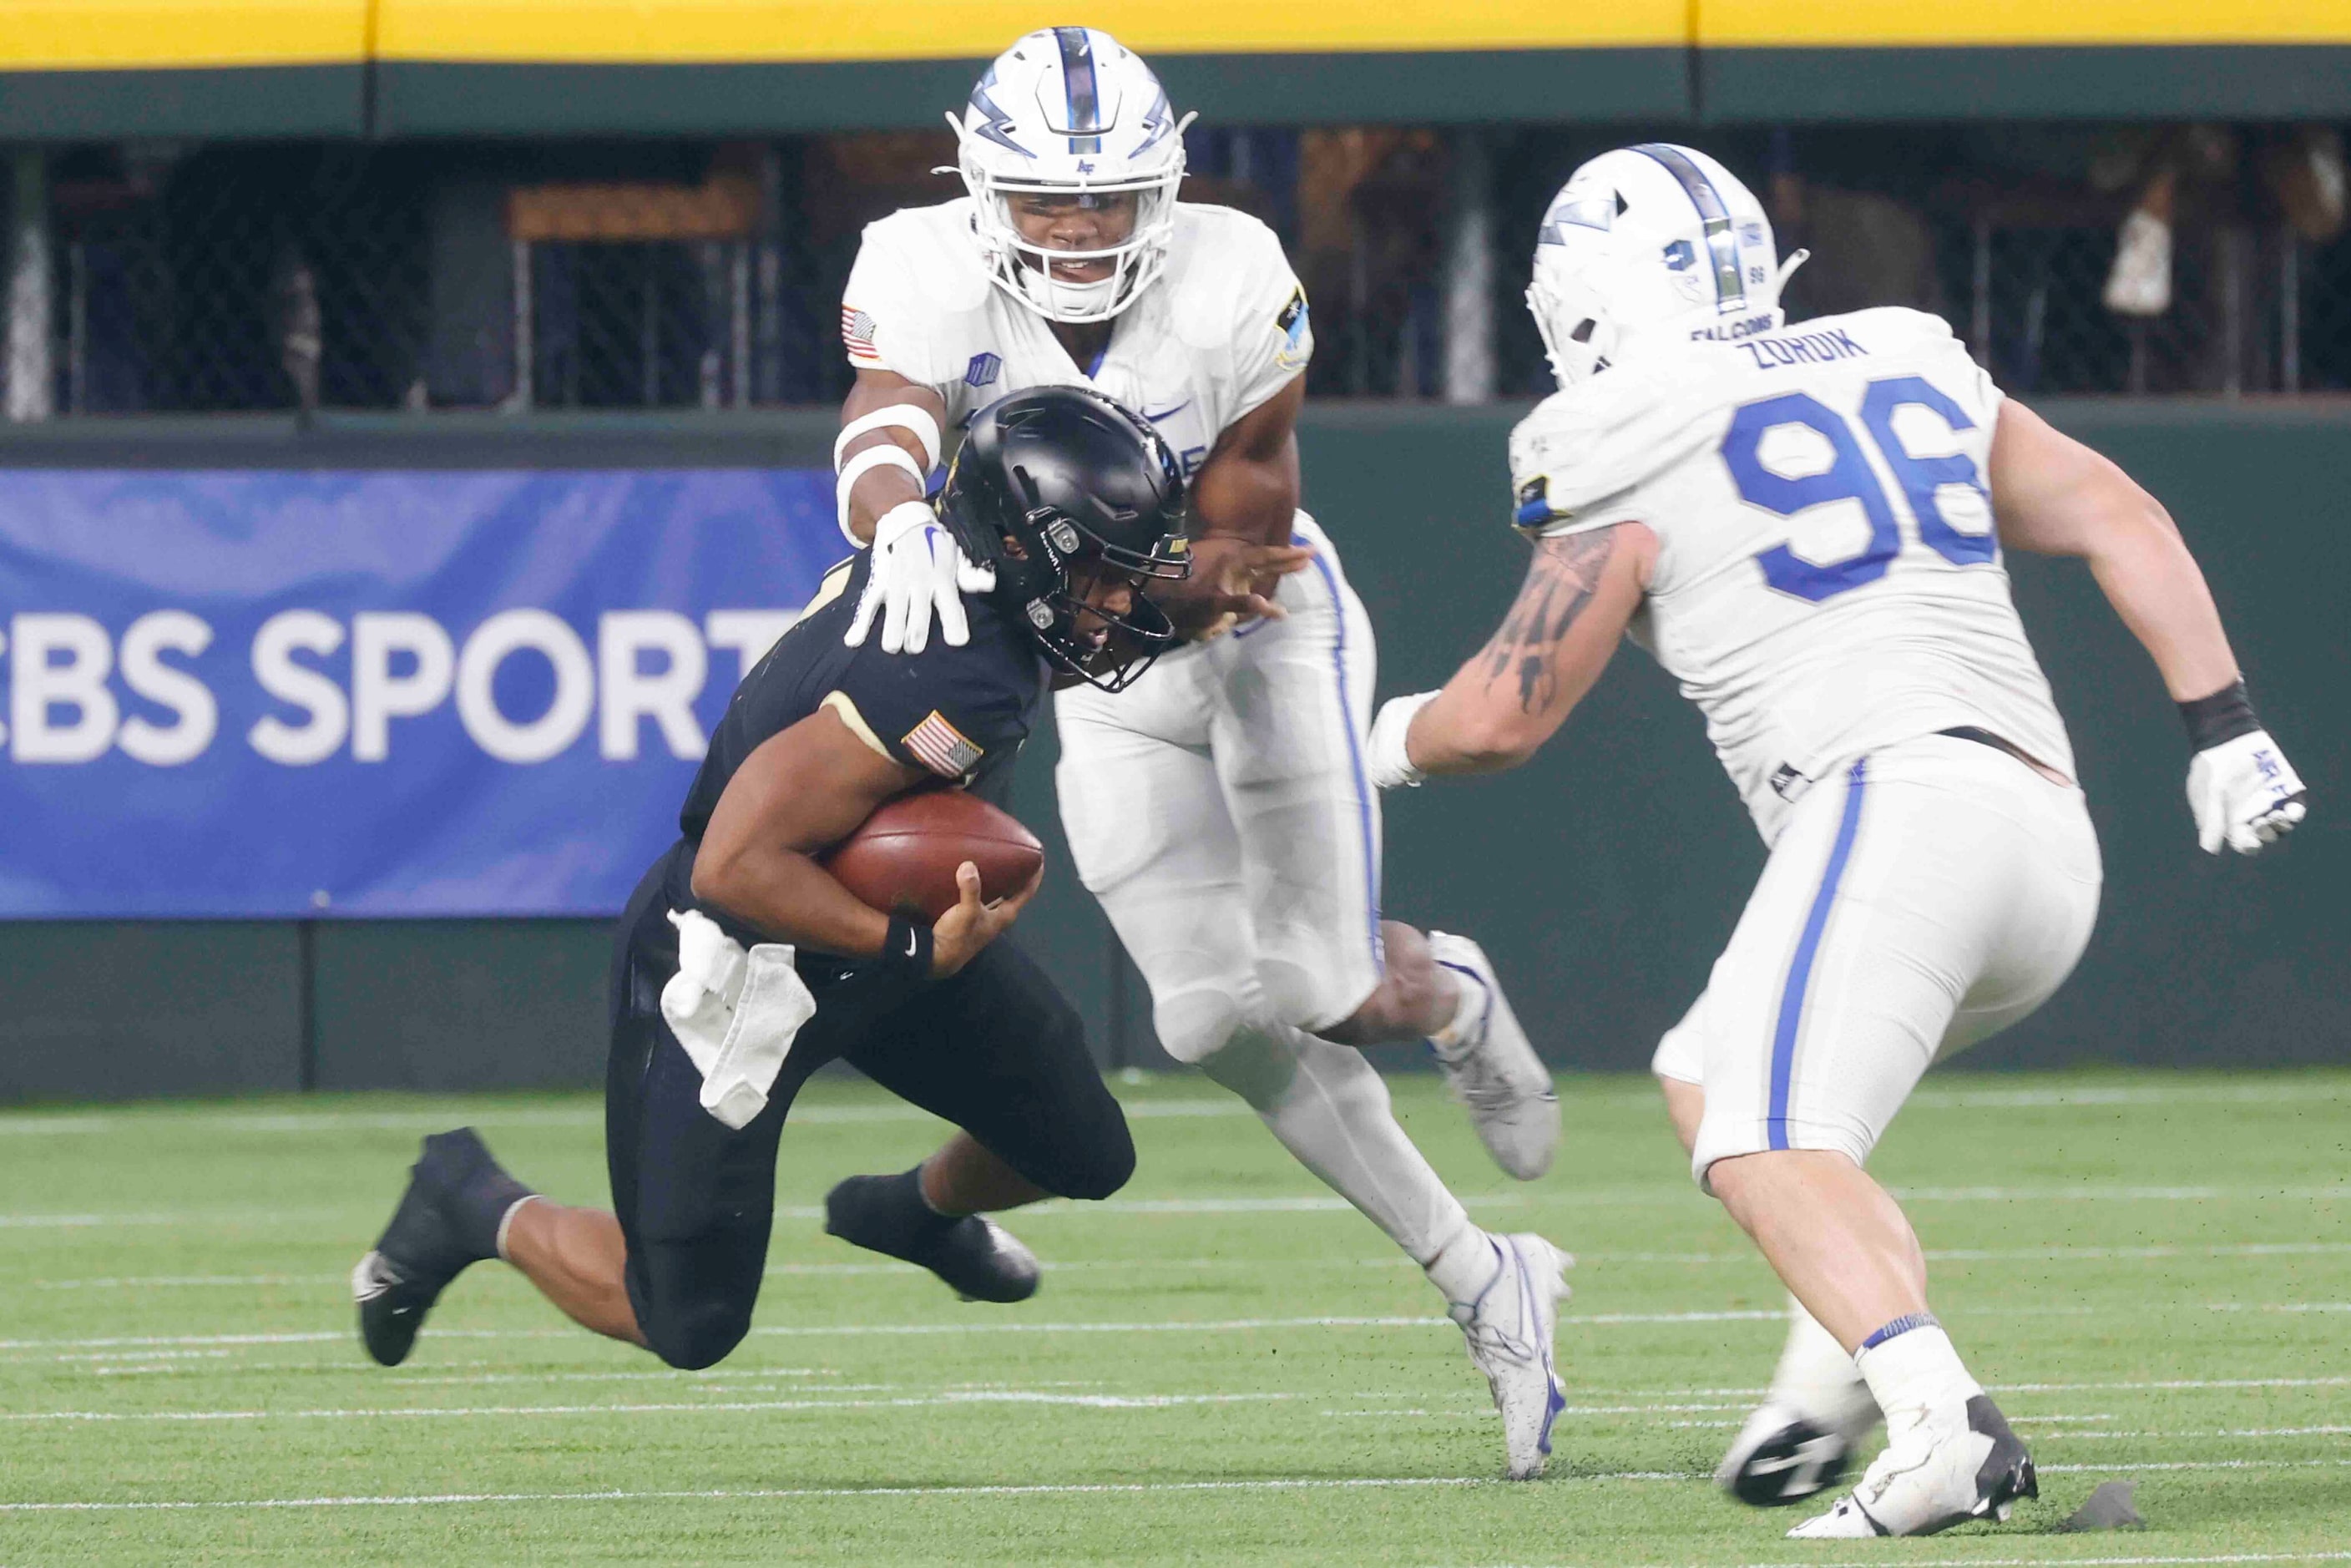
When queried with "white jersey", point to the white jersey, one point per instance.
{"points": [[1215, 335], [1828, 579]]}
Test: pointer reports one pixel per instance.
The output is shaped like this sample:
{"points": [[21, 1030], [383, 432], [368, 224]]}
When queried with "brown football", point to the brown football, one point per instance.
{"points": [[906, 853]]}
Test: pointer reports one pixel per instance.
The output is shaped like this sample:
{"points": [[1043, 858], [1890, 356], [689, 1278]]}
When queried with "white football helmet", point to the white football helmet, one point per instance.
{"points": [[1651, 240], [1063, 110]]}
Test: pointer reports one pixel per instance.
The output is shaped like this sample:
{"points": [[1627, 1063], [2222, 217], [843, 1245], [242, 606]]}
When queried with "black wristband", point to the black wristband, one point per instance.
{"points": [[905, 958], [2222, 716]]}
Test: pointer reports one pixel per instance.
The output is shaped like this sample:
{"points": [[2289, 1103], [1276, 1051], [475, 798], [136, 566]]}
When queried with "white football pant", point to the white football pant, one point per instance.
{"points": [[1219, 811], [1918, 899]]}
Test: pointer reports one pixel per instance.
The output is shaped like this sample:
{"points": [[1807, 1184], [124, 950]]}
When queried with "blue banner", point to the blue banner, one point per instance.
{"points": [[269, 694]]}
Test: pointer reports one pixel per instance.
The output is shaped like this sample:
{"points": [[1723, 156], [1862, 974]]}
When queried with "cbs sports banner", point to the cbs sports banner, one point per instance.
{"points": [[269, 694]]}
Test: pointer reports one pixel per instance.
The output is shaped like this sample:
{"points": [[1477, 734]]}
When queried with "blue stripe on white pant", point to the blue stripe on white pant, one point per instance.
{"points": [[1371, 848], [1800, 967]]}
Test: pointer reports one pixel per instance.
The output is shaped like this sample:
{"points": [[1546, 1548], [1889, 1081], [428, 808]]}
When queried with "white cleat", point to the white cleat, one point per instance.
{"points": [[1496, 1073], [1785, 1454], [1948, 1464], [1510, 1328]]}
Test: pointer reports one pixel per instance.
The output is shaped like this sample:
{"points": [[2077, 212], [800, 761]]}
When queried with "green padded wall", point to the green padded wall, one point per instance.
{"points": [[1603, 877]]}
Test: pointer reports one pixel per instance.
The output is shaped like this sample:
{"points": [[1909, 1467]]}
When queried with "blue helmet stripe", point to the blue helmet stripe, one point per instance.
{"points": [[1714, 214], [1078, 83]]}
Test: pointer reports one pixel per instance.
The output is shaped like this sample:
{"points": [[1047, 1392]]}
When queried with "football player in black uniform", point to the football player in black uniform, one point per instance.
{"points": [[1078, 506]]}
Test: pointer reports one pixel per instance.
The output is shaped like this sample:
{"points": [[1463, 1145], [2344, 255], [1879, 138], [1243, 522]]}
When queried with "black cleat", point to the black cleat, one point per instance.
{"points": [[1790, 1464], [432, 1238], [979, 1258], [1950, 1466], [2007, 1473]]}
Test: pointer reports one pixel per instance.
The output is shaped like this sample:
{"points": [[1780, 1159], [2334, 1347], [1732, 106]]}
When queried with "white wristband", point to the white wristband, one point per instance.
{"points": [[907, 416], [1384, 757], [889, 454]]}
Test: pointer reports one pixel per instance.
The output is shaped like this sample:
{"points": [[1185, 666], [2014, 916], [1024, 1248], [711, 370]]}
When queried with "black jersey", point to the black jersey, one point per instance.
{"points": [[958, 713]]}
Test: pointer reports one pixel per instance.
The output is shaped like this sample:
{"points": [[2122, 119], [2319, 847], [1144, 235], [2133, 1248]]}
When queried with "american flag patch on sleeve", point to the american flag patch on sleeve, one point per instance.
{"points": [[941, 748], [857, 334]]}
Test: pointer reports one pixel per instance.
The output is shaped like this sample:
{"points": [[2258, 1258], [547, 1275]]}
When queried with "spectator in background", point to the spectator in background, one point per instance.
{"points": [[1372, 204], [2202, 168], [1869, 247]]}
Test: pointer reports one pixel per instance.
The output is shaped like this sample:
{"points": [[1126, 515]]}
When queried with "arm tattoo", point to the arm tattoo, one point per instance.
{"points": [[1560, 582]]}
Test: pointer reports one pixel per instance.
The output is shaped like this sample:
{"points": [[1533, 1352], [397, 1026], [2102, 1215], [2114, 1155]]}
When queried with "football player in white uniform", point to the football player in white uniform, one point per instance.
{"points": [[1804, 524], [1218, 810]]}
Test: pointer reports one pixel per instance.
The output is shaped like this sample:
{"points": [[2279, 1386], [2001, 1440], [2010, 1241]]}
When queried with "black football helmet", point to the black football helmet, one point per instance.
{"points": [[1056, 480]]}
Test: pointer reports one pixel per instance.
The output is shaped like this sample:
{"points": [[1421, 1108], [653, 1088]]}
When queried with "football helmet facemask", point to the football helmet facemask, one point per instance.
{"points": [[1070, 113], [1059, 488]]}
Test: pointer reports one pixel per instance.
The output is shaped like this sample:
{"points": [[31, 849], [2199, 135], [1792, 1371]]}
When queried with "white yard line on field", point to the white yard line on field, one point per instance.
{"points": [[2056, 1254], [1098, 1489], [427, 1118], [2092, 1192], [2277, 1306], [1209, 1325], [2169, 1384], [2046, 1561], [2133, 1469], [1660, 1194], [1072, 1489], [737, 1406], [2184, 1437], [2285, 1094], [188, 1282]]}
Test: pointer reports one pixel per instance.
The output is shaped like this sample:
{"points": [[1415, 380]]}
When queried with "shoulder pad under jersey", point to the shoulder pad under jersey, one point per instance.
{"points": [[1604, 436], [933, 246], [1222, 263]]}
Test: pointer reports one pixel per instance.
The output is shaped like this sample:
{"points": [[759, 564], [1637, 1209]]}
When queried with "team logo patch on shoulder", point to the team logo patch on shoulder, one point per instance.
{"points": [[857, 331], [983, 369], [1535, 507], [941, 748], [1291, 322]]}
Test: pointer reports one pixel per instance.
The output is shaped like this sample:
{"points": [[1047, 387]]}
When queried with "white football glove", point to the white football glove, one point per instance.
{"points": [[918, 569], [2245, 793], [1385, 758]]}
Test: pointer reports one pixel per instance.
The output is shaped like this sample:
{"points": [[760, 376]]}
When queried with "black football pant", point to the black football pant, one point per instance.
{"points": [[995, 1048]]}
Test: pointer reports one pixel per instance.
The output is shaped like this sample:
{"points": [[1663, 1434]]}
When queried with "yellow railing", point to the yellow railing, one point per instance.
{"points": [[71, 34]]}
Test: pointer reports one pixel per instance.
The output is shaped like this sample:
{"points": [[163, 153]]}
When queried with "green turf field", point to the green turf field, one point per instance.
{"points": [[2152, 1272]]}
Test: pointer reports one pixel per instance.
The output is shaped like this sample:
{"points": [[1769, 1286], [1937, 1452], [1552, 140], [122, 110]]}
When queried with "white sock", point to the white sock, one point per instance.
{"points": [[1466, 1265], [1331, 1109], [1816, 1373], [1915, 1367], [1469, 1011], [507, 1220]]}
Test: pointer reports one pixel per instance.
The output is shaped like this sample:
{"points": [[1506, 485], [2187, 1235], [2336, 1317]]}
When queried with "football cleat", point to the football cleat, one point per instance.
{"points": [[1783, 1456], [1510, 1328], [1948, 1464], [1495, 1072], [979, 1260], [423, 1248]]}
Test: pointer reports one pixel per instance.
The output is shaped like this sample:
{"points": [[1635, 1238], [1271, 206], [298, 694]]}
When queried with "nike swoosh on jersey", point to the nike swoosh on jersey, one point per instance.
{"points": [[1167, 412]]}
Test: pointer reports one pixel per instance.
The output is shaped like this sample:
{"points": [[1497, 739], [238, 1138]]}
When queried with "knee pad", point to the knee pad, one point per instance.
{"points": [[1199, 1021], [1256, 1065], [693, 1299], [1104, 1166], [699, 1334], [1315, 990]]}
